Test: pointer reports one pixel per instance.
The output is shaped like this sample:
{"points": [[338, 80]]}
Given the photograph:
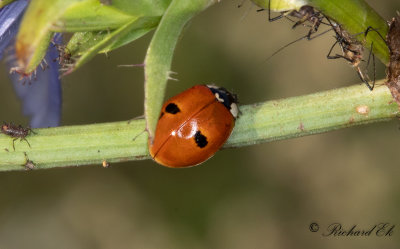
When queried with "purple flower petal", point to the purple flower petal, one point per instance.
{"points": [[10, 17], [41, 93]]}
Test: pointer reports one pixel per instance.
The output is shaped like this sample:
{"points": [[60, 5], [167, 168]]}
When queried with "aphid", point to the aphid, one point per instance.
{"points": [[352, 51], [304, 13], [29, 165], [105, 164], [193, 126], [298, 9], [64, 55], [16, 132]]}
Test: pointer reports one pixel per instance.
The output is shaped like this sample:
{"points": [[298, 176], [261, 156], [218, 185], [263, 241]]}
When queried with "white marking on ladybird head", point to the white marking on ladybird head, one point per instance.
{"points": [[234, 110], [212, 86], [218, 98]]}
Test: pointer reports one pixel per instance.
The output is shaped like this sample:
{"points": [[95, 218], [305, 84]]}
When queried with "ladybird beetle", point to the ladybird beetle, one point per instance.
{"points": [[193, 125]]}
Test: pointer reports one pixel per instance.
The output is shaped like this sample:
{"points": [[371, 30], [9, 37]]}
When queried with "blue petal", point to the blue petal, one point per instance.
{"points": [[41, 93], [10, 17]]}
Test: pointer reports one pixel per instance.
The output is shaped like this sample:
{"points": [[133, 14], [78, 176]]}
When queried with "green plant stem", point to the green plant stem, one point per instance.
{"points": [[263, 122]]}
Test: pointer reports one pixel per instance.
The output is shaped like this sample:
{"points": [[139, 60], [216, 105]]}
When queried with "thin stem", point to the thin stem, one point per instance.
{"points": [[259, 123]]}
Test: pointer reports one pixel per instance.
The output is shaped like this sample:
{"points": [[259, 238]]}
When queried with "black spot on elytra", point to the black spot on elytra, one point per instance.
{"points": [[200, 139], [172, 108]]}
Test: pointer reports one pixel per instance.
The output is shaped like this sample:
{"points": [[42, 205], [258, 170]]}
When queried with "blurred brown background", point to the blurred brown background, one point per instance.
{"points": [[262, 196]]}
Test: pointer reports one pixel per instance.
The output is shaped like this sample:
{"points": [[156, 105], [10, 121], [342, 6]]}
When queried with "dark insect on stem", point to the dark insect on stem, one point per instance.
{"points": [[64, 55], [305, 14], [65, 58], [352, 51], [16, 132]]}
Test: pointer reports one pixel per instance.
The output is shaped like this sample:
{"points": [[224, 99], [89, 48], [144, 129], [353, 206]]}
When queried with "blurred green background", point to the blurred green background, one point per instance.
{"points": [[262, 196]]}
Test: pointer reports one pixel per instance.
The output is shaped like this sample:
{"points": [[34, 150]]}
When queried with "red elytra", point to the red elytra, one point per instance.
{"points": [[193, 125]]}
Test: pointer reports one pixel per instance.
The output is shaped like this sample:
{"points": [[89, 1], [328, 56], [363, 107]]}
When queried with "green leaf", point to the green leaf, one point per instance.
{"points": [[280, 5], [160, 52], [81, 42], [142, 27], [87, 44], [89, 16], [142, 7]]}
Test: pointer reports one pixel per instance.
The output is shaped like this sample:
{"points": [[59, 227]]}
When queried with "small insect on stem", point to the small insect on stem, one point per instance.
{"points": [[304, 13], [105, 164], [307, 16], [29, 165], [16, 132], [64, 55], [65, 58], [352, 51]]}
